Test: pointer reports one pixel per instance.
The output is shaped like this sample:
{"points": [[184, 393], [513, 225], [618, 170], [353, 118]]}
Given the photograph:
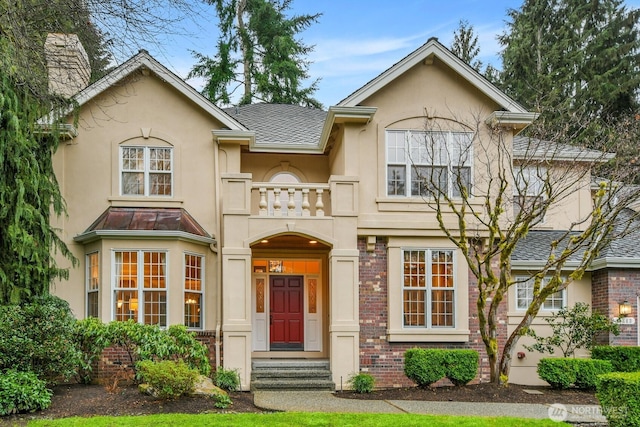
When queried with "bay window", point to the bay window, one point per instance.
{"points": [[93, 284], [193, 286]]}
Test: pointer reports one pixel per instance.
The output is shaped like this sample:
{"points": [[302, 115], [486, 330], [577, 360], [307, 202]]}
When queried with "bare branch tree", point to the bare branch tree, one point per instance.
{"points": [[519, 183]]}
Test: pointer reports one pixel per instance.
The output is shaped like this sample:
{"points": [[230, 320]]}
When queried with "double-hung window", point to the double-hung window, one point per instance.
{"points": [[524, 295], [193, 287], [528, 192], [421, 163], [93, 283], [428, 288], [141, 286], [146, 171]]}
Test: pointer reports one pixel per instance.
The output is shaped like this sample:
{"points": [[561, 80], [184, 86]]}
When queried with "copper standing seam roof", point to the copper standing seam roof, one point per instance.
{"points": [[152, 219]]}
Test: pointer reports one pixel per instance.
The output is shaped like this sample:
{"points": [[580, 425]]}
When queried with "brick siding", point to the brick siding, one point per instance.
{"points": [[610, 287]]}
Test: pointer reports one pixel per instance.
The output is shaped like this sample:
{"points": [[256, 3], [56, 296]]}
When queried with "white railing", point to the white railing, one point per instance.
{"points": [[287, 200]]}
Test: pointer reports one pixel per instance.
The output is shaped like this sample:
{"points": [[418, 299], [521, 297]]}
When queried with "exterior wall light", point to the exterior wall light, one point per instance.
{"points": [[624, 309]]}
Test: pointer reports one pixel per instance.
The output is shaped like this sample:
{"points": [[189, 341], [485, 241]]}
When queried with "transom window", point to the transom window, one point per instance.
{"points": [[421, 163], [141, 286], [146, 171], [524, 295], [428, 288], [93, 283], [193, 285]]}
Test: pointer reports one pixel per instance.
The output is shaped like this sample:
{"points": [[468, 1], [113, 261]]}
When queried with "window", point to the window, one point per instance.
{"points": [[529, 192], [286, 179], [146, 171], [524, 296], [431, 161], [93, 284], [193, 281], [428, 288], [141, 286]]}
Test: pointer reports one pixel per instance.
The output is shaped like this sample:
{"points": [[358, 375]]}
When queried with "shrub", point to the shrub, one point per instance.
{"points": [[619, 396], [227, 379], [560, 373], [43, 331], [221, 400], [362, 382], [168, 379], [91, 338], [149, 342], [587, 371], [22, 392], [461, 366], [424, 366], [623, 359]]}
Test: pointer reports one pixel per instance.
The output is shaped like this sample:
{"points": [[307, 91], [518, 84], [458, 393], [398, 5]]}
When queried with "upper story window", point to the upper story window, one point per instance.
{"points": [[528, 191], [146, 171], [524, 296], [428, 288], [424, 163]]}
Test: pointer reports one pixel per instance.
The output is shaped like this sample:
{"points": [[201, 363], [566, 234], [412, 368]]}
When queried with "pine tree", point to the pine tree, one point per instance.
{"points": [[465, 44], [573, 56], [258, 38]]}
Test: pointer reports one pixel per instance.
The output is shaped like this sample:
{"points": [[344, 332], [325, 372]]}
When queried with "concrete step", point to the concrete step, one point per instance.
{"points": [[291, 374], [292, 384]]}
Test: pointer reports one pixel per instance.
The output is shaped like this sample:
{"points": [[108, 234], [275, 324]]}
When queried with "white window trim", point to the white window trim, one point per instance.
{"points": [[533, 174], [146, 171], [202, 287], [396, 331], [140, 283], [408, 164], [523, 280]]}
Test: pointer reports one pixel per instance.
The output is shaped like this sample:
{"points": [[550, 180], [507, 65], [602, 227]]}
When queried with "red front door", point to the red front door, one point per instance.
{"points": [[287, 313]]}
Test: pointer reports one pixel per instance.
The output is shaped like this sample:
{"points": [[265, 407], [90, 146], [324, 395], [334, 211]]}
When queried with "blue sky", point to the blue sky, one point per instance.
{"points": [[355, 40]]}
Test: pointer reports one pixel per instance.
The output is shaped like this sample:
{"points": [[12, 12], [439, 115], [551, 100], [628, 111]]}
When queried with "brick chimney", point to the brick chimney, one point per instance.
{"points": [[67, 63]]}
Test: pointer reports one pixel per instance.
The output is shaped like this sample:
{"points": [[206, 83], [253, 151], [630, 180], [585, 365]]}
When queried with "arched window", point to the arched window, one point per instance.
{"points": [[284, 181]]}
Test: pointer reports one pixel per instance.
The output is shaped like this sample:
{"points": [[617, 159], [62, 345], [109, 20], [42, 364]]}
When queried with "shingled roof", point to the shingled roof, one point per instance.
{"points": [[281, 124]]}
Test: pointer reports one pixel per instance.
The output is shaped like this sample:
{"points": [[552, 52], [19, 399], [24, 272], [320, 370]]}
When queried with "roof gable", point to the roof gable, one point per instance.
{"points": [[433, 48], [144, 61]]}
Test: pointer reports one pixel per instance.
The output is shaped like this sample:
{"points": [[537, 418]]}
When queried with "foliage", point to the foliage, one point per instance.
{"points": [[559, 373], [362, 382], [28, 194], [221, 400], [39, 337], [90, 335], [258, 38], [619, 396], [465, 44], [462, 366], [227, 379], [149, 342], [623, 358], [588, 370], [571, 55], [22, 392], [167, 378], [571, 329]]}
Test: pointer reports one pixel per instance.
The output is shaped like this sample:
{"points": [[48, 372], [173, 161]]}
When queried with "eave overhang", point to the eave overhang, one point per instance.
{"points": [[340, 114], [94, 235], [511, 119]]}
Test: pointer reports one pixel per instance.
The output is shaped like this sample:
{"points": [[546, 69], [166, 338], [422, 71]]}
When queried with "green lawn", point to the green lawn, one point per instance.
{"points": [[296, 419]]}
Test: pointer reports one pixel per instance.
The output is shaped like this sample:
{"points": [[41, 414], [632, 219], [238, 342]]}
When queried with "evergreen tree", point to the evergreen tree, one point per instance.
{"points": [[573, 56], [258, 38], [465, 44]]}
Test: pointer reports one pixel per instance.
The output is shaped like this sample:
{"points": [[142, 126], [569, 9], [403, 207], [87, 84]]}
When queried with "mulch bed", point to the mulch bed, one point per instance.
{"points": [[89, 400]]}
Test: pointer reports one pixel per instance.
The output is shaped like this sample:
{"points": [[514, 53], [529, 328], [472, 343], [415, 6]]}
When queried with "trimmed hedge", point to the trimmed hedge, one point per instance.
{"points": [[168, 379], [623, 359], [426, 366], [619, 396], [563, 372]]}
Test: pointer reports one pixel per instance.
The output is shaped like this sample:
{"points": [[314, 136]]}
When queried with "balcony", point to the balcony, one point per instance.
{"points": [[290, 200]]}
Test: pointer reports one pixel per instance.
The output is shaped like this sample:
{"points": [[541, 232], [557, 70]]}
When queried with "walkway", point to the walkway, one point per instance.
{"points": [[324, 401]]}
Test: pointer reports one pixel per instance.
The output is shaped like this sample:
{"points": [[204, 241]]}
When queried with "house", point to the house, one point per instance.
{"points": [[284, 232]]}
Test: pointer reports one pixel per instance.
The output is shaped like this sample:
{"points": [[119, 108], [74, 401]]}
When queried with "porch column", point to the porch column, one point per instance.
{"points": [[344, 328]]}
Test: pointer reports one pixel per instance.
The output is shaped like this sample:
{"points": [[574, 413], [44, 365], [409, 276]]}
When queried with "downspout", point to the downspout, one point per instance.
{"points": [[218, 250]]}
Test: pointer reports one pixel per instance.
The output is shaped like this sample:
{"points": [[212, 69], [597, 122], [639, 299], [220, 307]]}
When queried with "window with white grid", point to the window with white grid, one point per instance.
{"points": [[423, 163], [141, 286], [93, 284], [524, 295], [146, 171], [193, 289], [428, 288]]}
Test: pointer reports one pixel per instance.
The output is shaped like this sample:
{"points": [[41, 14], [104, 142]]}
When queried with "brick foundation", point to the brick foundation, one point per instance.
{"points": [[385, 360]]}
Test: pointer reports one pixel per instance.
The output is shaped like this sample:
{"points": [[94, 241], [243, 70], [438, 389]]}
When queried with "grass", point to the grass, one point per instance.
{"points": [[295, 419]]}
